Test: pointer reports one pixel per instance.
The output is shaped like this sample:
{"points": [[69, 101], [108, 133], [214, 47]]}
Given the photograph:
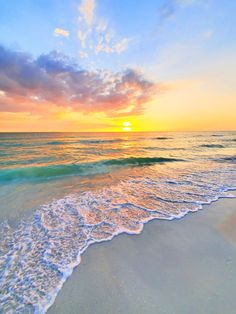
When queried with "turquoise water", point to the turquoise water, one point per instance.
{"points": [[60, 192]]}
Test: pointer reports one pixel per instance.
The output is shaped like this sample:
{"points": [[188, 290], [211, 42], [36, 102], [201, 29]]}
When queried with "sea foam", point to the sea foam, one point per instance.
{"points": [[39, 255]]}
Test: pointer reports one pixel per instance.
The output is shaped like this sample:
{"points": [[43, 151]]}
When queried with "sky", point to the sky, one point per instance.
{"points": [[117, 65]]}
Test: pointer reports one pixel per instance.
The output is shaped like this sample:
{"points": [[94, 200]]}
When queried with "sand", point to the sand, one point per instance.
{"points": [[181, 266]]}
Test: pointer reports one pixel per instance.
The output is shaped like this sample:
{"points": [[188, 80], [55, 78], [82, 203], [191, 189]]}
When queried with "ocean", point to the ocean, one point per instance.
{"points": [[61, 192]]}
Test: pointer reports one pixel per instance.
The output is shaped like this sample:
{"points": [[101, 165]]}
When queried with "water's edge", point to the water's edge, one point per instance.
{"points": [[69, 273]]}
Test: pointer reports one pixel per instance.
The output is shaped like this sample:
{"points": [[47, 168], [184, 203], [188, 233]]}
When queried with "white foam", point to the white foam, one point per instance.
{"points": [[38, 256]]}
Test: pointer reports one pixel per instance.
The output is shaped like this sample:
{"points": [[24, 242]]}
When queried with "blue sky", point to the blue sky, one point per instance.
{"points": [[150, 27]]}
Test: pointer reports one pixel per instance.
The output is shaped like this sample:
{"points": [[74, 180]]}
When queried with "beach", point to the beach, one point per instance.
{"points": [[186, 265]]}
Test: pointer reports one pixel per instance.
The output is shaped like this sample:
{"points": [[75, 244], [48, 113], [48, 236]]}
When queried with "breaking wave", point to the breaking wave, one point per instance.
{"points": [[94, 141], [230, 159], [162, 138], [211, 146], [83, 169]]}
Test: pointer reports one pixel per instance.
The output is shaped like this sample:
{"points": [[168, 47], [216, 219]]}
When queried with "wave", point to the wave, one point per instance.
{"points": [[162, 138], [140, 161], [38, 256], [229, 140], [94, 141], [58, 143], [230, 159], [163, 148], [61, 170], [4, 144], [26, 144], [211, 146]]}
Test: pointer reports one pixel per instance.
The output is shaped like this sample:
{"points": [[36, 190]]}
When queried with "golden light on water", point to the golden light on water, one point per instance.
{"points": [[126, 126]]}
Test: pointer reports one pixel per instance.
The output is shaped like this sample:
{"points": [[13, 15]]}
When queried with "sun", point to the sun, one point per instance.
{"points": [[126, 126]]}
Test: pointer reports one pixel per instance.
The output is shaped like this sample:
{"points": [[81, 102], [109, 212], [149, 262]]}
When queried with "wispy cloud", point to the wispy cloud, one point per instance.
{"points": [[86, 10], [101, 26], [117, 47], [169, 8], [53, 79], [95, 34], [82, 36], [166, 11], [61, 32], [83, 55]]}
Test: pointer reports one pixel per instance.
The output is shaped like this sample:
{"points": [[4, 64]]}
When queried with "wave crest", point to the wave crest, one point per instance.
{"points": [[53, 171]]}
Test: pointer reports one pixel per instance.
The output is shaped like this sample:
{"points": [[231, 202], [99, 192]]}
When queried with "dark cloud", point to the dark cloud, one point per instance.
{"points": [[54, 79]]}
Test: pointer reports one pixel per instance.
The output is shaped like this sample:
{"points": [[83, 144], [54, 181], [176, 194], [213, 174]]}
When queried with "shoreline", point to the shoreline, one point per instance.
{"points": [[81, 292]]}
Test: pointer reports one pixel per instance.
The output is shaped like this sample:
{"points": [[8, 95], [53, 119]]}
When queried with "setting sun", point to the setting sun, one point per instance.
{"points": [[126, 126]]}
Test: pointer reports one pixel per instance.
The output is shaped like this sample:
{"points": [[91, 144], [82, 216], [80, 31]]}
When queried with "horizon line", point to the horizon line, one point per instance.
{"points": [[123, 132]]}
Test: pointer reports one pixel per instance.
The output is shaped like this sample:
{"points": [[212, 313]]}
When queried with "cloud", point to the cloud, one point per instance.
{"points": [[166, 11], [95, 34], [101, 26], [117, 47], [83, 55], [169, 8], [54, 80], [61, 32], [87, 11], [121, 45], [82, 37]]}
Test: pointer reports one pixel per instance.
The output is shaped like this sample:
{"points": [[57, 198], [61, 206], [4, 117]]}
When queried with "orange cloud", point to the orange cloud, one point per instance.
{"points": [[54, 80], [61, 32]]}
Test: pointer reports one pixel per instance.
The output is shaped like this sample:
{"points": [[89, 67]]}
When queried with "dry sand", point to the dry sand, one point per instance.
{"points": [[173, 267]]}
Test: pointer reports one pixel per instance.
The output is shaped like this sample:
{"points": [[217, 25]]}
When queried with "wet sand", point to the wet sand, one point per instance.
{"points": [[181, 266]]}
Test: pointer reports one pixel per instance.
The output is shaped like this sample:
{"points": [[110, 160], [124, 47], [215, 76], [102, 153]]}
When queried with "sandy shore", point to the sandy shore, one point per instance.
{"points": [[181, 266]]}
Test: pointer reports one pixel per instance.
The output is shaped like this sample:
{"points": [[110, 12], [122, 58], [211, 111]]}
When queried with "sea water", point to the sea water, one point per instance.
{"points": [[61, 192]]}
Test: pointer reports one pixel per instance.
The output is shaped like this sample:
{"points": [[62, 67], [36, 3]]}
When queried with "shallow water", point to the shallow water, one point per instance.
{"points": [[60, 192]]}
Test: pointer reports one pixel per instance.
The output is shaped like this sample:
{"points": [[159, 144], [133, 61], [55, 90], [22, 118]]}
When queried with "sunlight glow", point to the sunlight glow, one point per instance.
{"points": [[127, 129], [126, 123], [126, 126]]}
